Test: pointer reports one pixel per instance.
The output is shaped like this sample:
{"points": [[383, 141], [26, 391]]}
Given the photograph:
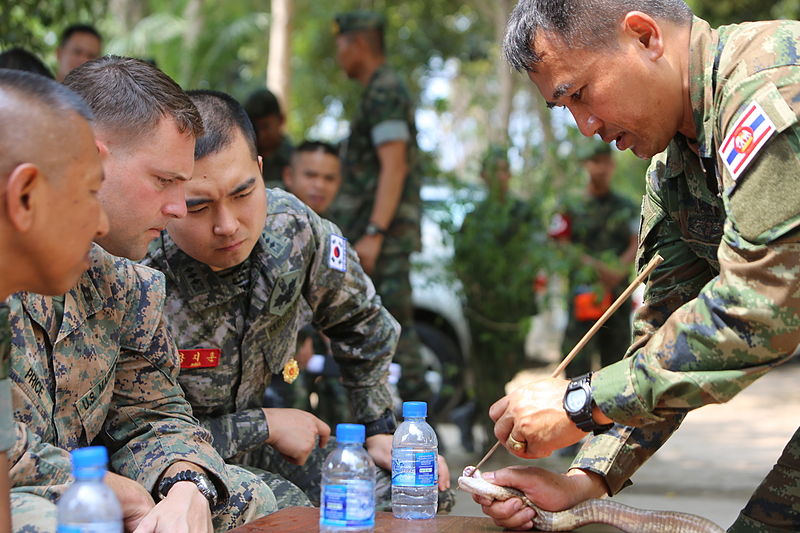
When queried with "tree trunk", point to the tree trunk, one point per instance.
{"points": [[505, 77], [127, 12], [279, 72], [193, 13]]}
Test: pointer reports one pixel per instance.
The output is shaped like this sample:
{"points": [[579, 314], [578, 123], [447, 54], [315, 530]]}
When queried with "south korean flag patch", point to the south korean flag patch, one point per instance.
{"points": [[337, 256], [748, 135]]}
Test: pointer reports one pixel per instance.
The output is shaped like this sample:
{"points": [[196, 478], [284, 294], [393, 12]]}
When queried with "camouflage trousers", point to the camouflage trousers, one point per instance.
{"points": [[295, 485], [249, 499], [391, 279], [774, 507]]}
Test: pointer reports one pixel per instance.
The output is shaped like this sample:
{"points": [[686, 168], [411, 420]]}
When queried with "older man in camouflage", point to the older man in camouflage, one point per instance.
{"points": [[98, 364], [721, 207], [34, 113], [242, 270], [378, 206]]}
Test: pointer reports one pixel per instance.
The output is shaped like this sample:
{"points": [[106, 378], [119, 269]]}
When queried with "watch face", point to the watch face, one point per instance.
{"points": [[575, 400]]}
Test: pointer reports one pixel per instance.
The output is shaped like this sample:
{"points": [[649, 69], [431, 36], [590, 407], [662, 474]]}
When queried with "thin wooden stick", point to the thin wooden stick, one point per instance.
{"points": [[657, 260]]}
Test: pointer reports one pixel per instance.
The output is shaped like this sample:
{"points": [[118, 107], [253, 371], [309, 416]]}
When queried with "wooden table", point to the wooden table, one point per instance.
{"points": [[306, 520]]}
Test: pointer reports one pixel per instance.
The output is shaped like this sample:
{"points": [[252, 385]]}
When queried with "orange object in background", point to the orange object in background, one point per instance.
{"points": [[587, 307]]}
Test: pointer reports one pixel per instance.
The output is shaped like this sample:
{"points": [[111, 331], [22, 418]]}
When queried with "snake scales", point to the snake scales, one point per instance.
{"points": [[597, 511]]}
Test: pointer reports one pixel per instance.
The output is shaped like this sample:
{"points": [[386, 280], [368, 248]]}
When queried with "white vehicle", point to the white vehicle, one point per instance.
{"points": [[438, 306]]}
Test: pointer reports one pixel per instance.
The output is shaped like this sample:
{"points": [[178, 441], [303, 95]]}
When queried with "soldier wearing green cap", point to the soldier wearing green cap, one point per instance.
{"points": [[378, 207], [603, 225]]}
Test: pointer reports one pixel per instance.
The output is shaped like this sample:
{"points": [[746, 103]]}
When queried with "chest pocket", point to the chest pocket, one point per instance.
{"points": [[93, 406], [285, 292]]}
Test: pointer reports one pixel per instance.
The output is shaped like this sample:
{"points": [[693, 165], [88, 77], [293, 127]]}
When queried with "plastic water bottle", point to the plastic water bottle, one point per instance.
{"points": [[89, 505], [348, 484], [414, 468]]}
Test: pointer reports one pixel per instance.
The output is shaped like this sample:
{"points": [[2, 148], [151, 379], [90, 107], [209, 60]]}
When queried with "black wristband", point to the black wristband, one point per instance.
{"points": [[385, 424]]}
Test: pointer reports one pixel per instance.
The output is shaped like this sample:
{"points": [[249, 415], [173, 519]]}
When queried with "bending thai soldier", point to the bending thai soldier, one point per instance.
{"points": [[718, 108]]}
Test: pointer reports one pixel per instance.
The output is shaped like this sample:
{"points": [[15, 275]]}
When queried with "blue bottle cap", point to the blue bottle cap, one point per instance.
{"points": [[415, 409], [90, 458], [351, 433]]}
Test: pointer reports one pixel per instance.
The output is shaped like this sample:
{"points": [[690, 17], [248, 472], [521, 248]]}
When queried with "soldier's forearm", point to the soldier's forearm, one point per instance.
{"points": [[391, 179]]}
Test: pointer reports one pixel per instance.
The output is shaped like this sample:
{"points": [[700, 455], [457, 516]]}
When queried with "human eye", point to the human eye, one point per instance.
{"points": [[577, 95], [198, 209], [164, 182], [244, 194]]}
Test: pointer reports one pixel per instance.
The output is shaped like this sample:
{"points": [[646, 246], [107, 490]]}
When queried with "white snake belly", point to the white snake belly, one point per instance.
{"points": [[595, 511]]}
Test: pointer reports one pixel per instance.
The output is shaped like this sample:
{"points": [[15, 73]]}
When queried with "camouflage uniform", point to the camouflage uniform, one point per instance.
{"points": [[98, 366], [386, 113], [600, 226], [6, 416], [274, 164], [252, 315], [724, 307]]}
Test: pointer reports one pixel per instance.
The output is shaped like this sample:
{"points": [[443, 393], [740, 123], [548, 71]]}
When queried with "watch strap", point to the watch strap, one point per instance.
{"points": [[202, 481], [374, 229], [583, 417], [387, 423]]}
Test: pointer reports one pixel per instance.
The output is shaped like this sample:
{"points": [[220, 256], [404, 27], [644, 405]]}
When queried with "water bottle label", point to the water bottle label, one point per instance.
{"points": [[413, 469], [101, 527], [351, 504]]}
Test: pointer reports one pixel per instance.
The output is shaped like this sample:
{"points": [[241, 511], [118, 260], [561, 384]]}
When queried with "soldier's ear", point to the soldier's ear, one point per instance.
{"points": [[102, 149], [23, 196], [646, 30]]}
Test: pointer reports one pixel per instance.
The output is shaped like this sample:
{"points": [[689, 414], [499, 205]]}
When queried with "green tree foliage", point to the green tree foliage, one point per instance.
{"points": [[27, 23]]}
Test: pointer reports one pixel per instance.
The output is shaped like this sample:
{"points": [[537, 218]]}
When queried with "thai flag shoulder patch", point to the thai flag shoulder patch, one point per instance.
{"points": [[744, 140], [337, 256]]}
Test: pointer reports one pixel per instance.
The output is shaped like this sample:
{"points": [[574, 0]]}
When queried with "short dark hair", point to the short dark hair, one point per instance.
{"points": [[71, 30], [310, 146], [29, 92], [44, 91], [221, 114], [581, 23], [130, 96], [20, 59], [262, 103]]}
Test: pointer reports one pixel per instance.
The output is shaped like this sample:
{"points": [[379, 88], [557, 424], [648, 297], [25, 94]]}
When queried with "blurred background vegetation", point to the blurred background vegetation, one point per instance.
{"points": [[448, 50]]}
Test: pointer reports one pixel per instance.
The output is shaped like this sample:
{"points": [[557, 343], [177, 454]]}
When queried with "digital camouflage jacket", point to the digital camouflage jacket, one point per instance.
{"points": [[300, 262], [102, 371]]}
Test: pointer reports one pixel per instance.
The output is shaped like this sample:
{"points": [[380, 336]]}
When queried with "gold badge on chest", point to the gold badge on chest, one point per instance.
{"points": [[291, 370]]}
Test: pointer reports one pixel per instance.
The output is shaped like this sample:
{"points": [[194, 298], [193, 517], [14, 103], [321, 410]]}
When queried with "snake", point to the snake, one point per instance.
{"points": [[594, 511]]}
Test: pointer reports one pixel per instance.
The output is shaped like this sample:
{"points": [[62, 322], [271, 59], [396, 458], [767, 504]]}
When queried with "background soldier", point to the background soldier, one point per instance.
{"points": [[721, 207], [273, 145], [49, 214], [98, 364], [241, 272], [79, 43], [378, 207], [603, 225]]}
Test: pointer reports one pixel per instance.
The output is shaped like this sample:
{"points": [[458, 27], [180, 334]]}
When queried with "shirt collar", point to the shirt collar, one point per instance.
{"points": [[703, 45]]}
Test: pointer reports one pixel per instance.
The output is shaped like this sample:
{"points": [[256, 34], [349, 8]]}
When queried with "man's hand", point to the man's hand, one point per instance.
{"points": [[548, 490], [294, 433], [534, 414], [368, 249], [134, 499], [379, 448], [184, 510]]}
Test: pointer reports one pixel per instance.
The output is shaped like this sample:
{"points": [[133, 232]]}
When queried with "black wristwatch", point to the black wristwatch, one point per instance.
{"points": [[387, 423], [204, 485], [578, 404], [374, 229]]}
